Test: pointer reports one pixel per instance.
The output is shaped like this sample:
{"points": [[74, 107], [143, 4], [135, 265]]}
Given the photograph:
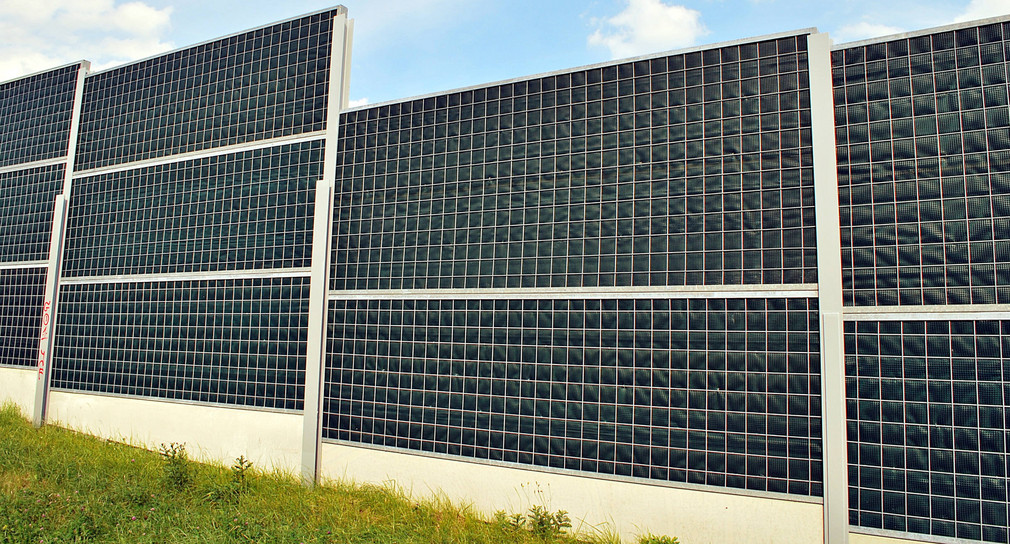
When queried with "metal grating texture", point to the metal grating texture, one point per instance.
{"points": [[723, 392], [923, 132], [234, 341], [927, 412], [265, 83], [20, 315], [691, 169], [242, 211], [36, 113], [26, 212]]}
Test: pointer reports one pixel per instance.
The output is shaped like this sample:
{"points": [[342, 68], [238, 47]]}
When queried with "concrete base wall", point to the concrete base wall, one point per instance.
{"points": [[271, 440], [17, 385], [856, 538], [628, 509]]}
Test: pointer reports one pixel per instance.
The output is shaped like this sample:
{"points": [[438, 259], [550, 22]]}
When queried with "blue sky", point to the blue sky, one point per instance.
{"points": [[407, 47]]}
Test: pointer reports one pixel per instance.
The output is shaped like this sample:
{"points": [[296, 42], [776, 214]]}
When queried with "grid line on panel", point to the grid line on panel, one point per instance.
{"points": [[685, 292], [36, 112], [20, 315], [244, 211], [33, 164], [235, 341], [202, 154], [265, 83], [692, 169], [928, 442], [26, 212], [189, 276], [716, 392], [923, 133]]}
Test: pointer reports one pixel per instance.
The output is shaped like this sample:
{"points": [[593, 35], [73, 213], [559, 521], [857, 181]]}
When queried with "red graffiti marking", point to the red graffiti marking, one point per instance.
{"points": [[43, 336]]}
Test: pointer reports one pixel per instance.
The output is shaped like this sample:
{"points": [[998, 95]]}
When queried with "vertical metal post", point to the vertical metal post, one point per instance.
{"points": [[315, 357], [49, 300], [834, 445], [75, 123], [47, 329]]}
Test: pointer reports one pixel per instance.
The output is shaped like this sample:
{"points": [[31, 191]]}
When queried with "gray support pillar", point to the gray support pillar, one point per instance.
{"points": [[49, 300], [47, 329], [75, 123], [834, 445], [315, 357]]}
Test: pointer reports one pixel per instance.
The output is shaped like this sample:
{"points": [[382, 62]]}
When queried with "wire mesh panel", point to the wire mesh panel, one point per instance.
{"points": [[923, 132], [692, 169], [260, 84], [185, 277], [20, 315], [723, 392], [237, 341], [681, 170], [241, 211], [26, 212], [928, 447], [924, 168], [36, 113]]}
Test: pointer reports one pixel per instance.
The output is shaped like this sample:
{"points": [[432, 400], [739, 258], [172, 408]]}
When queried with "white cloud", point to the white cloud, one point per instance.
{"points": [[863, 30], [40, 34], [647, 26], [357, 103], [980, 9]]}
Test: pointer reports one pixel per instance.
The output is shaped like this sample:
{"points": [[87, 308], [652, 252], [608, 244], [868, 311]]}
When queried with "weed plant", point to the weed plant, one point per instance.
{"points": [[658, 539], [178, 472], [539, 521]]}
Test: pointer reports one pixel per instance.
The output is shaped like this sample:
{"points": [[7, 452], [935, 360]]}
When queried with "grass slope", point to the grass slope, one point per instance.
{"points": [[61, 486]]}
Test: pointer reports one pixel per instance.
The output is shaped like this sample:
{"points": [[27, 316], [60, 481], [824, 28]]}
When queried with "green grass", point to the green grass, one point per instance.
{"points": [[61, 486]]}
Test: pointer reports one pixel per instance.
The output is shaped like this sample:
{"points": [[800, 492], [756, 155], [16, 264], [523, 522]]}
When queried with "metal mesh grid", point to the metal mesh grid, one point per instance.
{"points": [[265, 83], [36, 113], [928, 441], [26, 212], [242, 211], [20, 314], [923, 132], [683, 170], [723, 392], [234, 341]]}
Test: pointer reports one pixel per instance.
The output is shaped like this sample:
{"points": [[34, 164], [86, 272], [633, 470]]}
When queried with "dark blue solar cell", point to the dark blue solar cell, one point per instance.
{"points": [[593, 404], [26, 212], [20, 314], [265, 83], [36, 112], [236, 341], [658, 176]]}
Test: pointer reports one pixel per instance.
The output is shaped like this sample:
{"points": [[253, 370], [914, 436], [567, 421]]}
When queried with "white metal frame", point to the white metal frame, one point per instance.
{"points": [[315, 354], [338, 99], [834, 444], [828, 290], [47, 326]]}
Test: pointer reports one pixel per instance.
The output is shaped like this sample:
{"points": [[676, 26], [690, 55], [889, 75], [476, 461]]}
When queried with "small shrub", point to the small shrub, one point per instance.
{"points": [[239, 470], [540, 521], [178, 472], [545, 524], [512, 522], [657, 539], [236, 486]]}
